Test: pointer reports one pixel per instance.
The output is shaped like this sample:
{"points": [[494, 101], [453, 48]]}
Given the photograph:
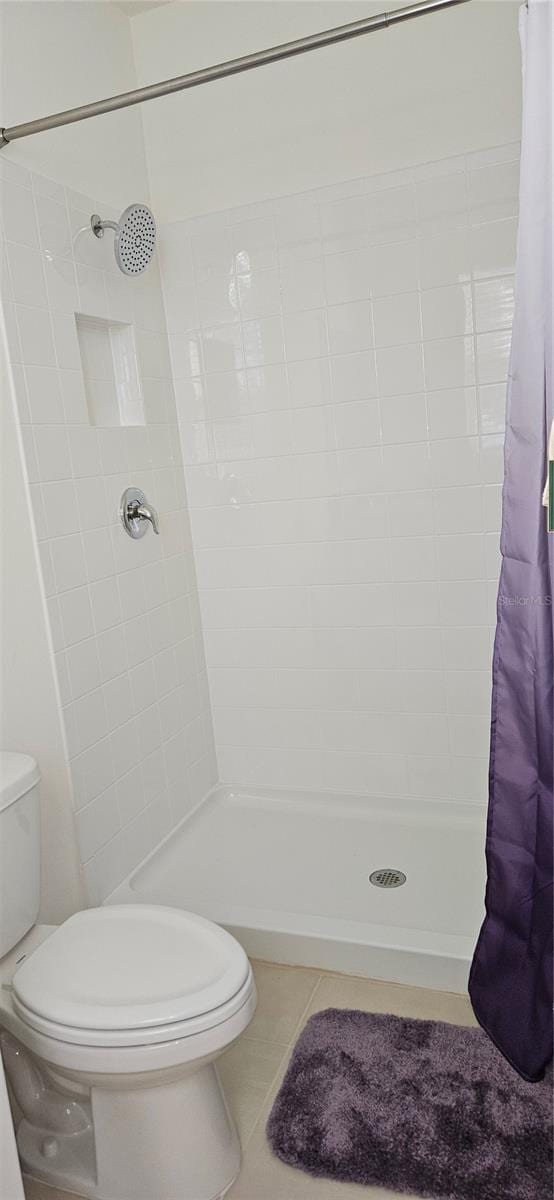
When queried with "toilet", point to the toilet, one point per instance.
{"points": [[110, 1028]]}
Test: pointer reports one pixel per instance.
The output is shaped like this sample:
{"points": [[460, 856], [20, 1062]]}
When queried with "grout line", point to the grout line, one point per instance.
{"points": [[342, 977], [247, 1140], [388, 983], [287, 1052], [305, 1010], [265, 1041]]}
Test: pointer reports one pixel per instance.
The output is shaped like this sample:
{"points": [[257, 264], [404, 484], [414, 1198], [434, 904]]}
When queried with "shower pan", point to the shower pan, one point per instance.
{"points": [[289, 874]]}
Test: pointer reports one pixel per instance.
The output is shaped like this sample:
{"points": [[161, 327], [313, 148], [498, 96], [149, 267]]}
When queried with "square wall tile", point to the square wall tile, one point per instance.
{"points": [[35, 335], [68, 562], [391, 215], [305, 335], [441, 203], [493, 248], [449, 363], [83, 667], [400, 369], [397, 319], [27, 276], [60, 508], [447, 311], [18, 213], [494, 303], [493, 355], [493, 192], [343, 225], [354, 377], [53, 224], [404, 419], [355, 424], [347, 277], [492, 407], [445, 259], [394, 268], [453, 413]]}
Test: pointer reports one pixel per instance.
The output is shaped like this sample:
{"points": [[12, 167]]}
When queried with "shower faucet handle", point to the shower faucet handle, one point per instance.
{"points": [[146, 512], [137, 513]]}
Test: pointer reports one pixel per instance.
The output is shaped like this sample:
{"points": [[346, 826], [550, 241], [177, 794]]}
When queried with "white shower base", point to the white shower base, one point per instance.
{"points": [[288, 874]]}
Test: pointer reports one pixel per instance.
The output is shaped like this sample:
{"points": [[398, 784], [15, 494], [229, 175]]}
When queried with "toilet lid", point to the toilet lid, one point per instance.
{"points": [[128, 967]]}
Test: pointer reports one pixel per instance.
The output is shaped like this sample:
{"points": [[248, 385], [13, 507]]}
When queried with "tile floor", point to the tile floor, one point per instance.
{"points": [[253, 1068]]}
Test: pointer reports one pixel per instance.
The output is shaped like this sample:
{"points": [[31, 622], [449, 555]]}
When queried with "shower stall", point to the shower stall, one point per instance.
{"points": [[275, 713]]}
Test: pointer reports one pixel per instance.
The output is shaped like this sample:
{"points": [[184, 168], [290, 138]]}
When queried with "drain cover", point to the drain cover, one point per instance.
{"points": [[386, 877]]}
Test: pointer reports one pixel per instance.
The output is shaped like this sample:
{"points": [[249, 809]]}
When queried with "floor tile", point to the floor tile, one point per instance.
{"points": [[342, 991], [283, 994], [264, 1177], [247, 1071], [40, 1191]]}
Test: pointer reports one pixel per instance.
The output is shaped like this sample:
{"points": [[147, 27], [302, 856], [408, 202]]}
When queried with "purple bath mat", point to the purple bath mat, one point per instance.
{"points": [[413, 1106]]}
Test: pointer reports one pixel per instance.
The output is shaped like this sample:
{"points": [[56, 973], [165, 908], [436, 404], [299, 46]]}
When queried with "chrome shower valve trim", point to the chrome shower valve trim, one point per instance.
{"points": [[137, 513]]}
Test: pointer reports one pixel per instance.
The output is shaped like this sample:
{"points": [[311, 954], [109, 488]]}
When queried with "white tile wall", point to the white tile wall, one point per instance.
{"points": [[340, 360], [123, 614]]}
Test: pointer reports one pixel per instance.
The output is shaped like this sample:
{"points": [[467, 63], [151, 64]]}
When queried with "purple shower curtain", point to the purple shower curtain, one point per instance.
{"points": [[511, 975]]}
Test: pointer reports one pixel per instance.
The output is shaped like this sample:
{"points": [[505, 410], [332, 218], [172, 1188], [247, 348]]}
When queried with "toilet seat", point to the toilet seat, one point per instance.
{"points": [[131, 975], [125, 1039]]}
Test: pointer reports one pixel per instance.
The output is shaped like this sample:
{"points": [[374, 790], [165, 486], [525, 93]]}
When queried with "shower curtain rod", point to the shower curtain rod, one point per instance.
{"points": [[235, 66]]}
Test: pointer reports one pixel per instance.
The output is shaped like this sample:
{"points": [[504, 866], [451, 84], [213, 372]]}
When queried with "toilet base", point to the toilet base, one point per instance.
{"points": [[175, 1141]]}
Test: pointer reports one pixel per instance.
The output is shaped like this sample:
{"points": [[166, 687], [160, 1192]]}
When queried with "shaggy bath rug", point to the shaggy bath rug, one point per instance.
{"points": [[413, 1106]]}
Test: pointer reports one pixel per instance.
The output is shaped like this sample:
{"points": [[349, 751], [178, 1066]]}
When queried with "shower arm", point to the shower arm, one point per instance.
{"points": [[98, 225], [235, 66]]}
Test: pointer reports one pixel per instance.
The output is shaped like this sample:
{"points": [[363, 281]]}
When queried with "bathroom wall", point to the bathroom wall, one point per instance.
{"points": [[30, 719], [446, 83], [122, 614], [312, 370], [55, 54], [340, 359], [339, 334]]}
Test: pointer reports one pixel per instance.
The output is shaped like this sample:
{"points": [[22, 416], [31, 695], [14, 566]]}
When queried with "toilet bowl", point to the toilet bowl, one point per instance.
{"points": [[110, 1028]]}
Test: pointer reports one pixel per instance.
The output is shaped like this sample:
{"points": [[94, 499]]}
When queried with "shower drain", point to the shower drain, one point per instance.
{"points": [[386, 877]]}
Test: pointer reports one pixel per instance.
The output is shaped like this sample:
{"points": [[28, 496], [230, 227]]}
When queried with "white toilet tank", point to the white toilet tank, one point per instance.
{"points": [[19, 847]]}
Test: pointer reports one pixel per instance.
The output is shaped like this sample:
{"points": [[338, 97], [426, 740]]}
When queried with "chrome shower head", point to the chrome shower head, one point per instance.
{"points": [[135, 237]]}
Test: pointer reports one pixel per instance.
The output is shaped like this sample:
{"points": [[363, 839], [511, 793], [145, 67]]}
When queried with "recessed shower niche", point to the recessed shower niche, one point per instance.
{"points": [[110, 371]]}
